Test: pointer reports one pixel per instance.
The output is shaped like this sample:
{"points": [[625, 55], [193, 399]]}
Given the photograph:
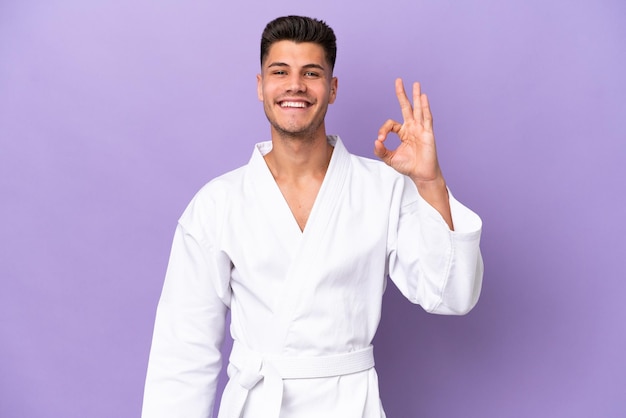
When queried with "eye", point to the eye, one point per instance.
{"points": [[279, 72], [311, 74]]}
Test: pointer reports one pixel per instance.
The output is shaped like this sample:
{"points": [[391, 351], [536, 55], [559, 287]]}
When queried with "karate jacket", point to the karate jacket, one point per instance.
{"points": [[304, 305]]}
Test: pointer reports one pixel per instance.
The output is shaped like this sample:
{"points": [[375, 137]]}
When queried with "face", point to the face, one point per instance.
{"points": [[296, 86]]}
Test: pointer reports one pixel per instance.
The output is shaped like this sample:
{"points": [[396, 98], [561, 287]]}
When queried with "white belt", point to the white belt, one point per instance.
{"points": [[254, 367]]}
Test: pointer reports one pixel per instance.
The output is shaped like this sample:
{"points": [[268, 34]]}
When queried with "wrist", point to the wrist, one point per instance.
{"points": [[437, 184], [435, 193]]}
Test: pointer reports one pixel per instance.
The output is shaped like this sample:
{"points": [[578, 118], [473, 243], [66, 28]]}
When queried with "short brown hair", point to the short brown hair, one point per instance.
{"points": [[300, 29]]}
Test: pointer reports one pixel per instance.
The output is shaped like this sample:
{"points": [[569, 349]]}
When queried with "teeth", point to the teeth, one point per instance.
{"points": [[293, 104]]}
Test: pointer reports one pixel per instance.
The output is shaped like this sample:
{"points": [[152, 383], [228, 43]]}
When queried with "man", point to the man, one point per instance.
{"points": [[297, 244]]}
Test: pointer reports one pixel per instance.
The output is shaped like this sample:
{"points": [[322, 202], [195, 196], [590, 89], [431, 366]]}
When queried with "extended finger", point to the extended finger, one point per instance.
{"points": [[389, 126], [405, 104], [428, 116], [417, 101]]}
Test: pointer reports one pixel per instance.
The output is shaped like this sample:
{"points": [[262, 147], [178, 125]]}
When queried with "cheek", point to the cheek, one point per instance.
{"points": [[267, 92]]}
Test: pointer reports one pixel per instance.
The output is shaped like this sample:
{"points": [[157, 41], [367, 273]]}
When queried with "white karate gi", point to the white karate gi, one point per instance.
{"points": [[302, 295]]}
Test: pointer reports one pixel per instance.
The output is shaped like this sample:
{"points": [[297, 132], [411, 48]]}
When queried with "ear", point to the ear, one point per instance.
{"points": [[333, 90], [259, 86]]}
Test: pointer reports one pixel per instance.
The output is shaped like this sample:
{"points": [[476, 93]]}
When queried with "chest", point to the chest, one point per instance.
{"points": [[300, 198]]}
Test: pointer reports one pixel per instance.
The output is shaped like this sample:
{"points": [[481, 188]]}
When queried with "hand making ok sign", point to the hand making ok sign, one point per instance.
{"points": [[416, 156]]}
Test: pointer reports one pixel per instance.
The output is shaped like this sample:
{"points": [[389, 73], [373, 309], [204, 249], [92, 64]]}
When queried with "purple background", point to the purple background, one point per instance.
{"points": [[114, 113]]}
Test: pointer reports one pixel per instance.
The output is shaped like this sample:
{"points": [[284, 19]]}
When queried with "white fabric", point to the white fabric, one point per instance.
{"points": [[301, 294], [248, 368]]}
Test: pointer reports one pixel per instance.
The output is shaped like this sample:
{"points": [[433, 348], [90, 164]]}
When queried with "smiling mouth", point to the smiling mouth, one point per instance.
{"points": [[294, 104]]}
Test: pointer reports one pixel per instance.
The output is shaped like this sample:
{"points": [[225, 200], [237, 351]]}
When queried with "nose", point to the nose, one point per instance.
{"points": [[296, 84]]}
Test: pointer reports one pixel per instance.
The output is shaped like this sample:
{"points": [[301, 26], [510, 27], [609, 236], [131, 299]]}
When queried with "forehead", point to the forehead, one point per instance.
{"points": [[295, 54]]}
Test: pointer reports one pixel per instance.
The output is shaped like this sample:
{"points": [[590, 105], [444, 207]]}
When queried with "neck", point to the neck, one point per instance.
{"points": [[295, 158]]}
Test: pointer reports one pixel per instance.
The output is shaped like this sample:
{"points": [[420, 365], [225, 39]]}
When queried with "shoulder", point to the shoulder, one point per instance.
{"points": [[377, 178], [212, 200], [374, 170], [220, 187], [365, 166], [369, 164]]}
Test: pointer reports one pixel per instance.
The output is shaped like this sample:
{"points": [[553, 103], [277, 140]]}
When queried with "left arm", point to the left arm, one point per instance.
{"points": [[433, 265]]}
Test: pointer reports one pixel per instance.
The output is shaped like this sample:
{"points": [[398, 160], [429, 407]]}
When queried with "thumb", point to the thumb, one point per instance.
{"points": [[382, 152]]}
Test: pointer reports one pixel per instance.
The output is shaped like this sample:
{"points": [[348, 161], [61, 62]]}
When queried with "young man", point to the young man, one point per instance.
{"points": [[298, 244]]}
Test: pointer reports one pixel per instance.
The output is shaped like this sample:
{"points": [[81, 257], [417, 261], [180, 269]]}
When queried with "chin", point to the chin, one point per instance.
{"points": [[295, 132]]}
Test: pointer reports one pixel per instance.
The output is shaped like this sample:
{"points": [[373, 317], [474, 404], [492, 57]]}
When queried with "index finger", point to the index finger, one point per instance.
{"points": [[405, 104]]}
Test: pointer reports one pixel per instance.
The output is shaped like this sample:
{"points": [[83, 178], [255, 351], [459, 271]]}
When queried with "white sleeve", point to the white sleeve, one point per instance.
{"points": [[437, 268], [185, 358]]}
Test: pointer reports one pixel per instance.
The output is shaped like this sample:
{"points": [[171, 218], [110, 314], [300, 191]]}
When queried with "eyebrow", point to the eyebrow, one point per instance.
{"points": [[306, 66]]}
